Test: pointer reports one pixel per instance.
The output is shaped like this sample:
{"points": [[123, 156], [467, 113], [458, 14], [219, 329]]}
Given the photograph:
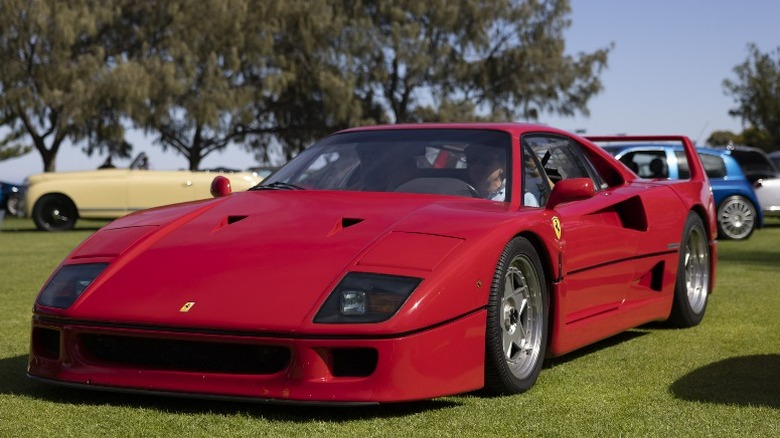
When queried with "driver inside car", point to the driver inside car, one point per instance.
{"points": [[487, 171]]}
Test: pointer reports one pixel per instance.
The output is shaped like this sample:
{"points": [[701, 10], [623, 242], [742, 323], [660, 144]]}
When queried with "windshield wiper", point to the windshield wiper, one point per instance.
{"points": [[278, 186]]}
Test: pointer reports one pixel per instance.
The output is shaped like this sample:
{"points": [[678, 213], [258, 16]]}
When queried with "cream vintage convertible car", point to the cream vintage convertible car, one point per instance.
{"points": [[56, 200]]}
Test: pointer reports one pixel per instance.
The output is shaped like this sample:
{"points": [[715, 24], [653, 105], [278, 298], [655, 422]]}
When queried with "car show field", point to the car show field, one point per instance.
{"points": [[717, 379]]}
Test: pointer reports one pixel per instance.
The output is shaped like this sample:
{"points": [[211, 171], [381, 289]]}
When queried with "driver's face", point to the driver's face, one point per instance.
{"points": [[487, 176]]}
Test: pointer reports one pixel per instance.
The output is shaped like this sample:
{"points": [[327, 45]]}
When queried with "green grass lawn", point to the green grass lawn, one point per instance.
{"points": [[721, 378]]}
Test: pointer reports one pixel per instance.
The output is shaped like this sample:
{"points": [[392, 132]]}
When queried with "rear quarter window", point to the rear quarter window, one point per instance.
{"points": [[714, 166]]}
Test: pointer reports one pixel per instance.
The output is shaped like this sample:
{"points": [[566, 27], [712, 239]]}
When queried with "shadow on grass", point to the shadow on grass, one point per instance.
{"points": [[18, 225], [14, 381], [19, 231], [771, 223], [766, 258], [598, 346], [744, 381]]}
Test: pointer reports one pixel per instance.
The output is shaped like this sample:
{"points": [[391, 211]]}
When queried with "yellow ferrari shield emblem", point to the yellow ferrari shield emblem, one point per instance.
{"points": [[556, 223], [187, 306]]}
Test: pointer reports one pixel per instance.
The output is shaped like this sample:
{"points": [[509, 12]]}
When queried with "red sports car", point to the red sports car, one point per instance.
{"points": [[382, 264]]}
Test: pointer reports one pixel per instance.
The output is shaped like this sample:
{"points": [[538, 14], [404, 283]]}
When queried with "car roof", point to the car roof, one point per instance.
{"points": [[513, 127], [615, 148]]}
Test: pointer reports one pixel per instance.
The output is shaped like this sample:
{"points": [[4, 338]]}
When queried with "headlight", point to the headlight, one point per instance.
{"points": [[68, 284], [364, 298]]}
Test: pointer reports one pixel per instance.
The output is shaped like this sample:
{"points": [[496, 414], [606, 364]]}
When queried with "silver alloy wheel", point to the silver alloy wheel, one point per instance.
{"points": [[697, 269], [522, 316], [736, 218]]}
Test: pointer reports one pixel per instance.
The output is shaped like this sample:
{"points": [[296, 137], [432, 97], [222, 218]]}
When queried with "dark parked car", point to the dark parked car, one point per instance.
{"points": [[764, 175], [775, 157], [9, 197], [738, 207]]}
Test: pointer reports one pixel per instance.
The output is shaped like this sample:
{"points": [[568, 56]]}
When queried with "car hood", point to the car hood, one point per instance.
{"points": [[264, 260]]}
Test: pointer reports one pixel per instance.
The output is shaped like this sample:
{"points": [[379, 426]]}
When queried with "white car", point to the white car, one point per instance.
{"points": [[760, 170], [55, 201]]}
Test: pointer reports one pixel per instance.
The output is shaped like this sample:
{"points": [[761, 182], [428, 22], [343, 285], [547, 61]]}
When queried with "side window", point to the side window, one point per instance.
{"points": [[647, 164], [536, 186], [561, 158], [714, 166], [684, 172]]}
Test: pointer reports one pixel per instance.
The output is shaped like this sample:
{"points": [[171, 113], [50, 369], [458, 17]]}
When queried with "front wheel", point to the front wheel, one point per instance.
{"points": [[54, 213], [736, 218], [693, 275], [516, 334]]}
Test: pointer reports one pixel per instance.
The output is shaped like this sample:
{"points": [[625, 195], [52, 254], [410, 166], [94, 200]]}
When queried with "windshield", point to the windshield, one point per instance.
{"points": [[459, 162]]}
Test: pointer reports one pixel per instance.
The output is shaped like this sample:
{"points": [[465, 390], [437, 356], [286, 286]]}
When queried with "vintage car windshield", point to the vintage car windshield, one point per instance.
{"points": [[461, 162]]}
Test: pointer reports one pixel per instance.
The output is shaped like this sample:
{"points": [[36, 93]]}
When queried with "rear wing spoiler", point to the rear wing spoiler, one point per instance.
{"points": [[694, 163]]}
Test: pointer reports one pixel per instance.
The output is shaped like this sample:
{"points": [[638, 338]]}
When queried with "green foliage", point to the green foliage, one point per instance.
{"points": [[648, 382], [756, 91], [54, 78], [203, 76], [723, 138], [11, 146], [750, 137], [502, 61]]}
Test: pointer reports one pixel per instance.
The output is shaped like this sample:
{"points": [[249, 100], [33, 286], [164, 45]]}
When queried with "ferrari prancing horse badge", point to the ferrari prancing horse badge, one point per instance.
{"points": [[557, 227]]}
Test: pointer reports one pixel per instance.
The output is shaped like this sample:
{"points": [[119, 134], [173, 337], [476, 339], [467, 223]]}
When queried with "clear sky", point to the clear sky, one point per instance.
{"points": [[664, 75]]}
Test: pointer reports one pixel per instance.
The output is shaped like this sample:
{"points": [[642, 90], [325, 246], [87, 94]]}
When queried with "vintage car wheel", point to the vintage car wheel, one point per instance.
{"points": [[54, 213], [516, 333], [12, 205], [736, 218], [693, 275]]}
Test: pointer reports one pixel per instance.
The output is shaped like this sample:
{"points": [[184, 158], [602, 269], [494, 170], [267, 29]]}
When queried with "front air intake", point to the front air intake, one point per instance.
{"points": [[184, 355]]}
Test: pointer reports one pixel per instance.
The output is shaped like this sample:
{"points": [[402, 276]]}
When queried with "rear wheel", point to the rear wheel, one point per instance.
{"points": [[693, 275], [736, 218], [54, 213], [516, 336]]}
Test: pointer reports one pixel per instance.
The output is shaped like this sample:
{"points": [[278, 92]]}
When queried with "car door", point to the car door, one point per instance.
{"points": [[99, 193], [150, 188], [599, 234]]}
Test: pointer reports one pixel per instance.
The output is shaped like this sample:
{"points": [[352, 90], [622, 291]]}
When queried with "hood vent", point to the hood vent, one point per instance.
{"points": [[347, 222], [343, 223], [230, 220]]}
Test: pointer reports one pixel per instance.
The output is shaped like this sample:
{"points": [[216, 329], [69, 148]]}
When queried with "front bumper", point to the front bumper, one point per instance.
{"points": [[442, 360]]}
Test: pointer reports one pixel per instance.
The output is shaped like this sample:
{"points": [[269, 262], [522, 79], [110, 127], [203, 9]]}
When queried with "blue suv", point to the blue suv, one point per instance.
{"points": [[738, 209]]}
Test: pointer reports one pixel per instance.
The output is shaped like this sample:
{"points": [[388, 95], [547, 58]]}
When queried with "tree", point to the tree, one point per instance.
{"points": [[9, 148], [55, 80], [191, 96], [204, 76], [503, 60], [756, 91], [312, 90], [723, 138]]}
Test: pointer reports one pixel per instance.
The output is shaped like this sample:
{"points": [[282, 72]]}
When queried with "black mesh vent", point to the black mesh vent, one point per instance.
{"points": [[172, 354], [354, 362], [46, 342]]}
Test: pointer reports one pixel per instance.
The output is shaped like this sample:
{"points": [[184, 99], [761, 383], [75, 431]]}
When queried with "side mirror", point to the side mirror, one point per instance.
{"points": [[568, 190], [220, 186]]}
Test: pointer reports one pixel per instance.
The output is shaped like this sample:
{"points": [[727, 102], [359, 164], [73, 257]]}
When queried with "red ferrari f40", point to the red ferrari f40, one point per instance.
{"points": [[382, 264]]}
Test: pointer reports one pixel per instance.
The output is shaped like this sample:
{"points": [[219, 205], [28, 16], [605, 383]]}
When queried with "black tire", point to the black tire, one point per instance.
{"points": [[736, 218], [691, 290], [517, 319], [12, 205], [54, 213]]}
